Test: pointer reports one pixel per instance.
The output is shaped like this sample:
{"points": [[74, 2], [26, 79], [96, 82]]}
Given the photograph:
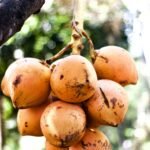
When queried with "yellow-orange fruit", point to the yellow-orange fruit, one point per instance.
{"points": [[91, 122], [52, 147], [28, 120], [115, 63], [63, 124], [73, 79], [93, 139], [115, 104], [26, 81]]}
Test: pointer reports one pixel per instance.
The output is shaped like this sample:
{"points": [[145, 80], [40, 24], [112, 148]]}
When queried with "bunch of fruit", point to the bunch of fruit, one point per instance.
{"points": [[69, 99]]}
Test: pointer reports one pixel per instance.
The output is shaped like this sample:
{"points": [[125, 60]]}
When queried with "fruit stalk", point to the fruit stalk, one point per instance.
{"points": [[77, 26], [91, 45], [59, 54], [77, 34]]}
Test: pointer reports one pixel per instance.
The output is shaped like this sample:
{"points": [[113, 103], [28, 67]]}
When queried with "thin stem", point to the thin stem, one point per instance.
{"points": [[77, 26], [59, 54], [92, 50]]}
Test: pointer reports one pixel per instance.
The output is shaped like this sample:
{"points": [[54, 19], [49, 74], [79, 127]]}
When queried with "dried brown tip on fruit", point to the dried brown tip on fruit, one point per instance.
{"points": [[63, 124], [115, 63], [73, 79]]}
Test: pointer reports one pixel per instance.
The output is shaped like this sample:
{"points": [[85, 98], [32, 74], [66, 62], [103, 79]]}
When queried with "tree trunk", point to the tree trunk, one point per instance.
{"points": [[13, 14]]}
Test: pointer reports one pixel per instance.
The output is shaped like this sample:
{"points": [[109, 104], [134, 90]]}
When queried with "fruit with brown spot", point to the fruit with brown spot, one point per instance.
{"points": [[115, 63], [110, 107], [26, 82], [91, 122], [63, 124], [93, 139], [28, 120], [73, 79]]}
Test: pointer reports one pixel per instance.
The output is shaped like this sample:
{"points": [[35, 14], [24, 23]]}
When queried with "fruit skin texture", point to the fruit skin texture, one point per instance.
{"points": [[73, 79], [26, 82], [93, 139], [115, 104], [91, 122], [115, 63], [63, 124], [28, 120], [52, 147]]}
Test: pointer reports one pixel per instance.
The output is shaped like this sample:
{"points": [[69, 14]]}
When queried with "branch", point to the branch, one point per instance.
{"points": [[13, 14]]}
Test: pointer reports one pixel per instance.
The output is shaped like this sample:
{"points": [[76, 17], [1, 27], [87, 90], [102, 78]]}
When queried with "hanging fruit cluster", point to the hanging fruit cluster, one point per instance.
{"points": [[66, 100]]}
